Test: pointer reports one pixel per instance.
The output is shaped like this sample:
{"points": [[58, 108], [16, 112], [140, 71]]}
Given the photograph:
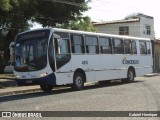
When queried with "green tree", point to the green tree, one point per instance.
{"points": [[53, 12], [2, 37], [12, 20], [81, 23], [1, 64], [5, 5], [16, 14]]}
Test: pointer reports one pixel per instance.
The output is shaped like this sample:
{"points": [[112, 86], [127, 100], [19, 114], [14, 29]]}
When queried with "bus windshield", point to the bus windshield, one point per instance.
{"points": [[31, 51]]}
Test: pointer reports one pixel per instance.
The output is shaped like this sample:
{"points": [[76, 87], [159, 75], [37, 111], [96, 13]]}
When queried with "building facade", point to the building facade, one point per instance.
{"points": [[139, 26]]}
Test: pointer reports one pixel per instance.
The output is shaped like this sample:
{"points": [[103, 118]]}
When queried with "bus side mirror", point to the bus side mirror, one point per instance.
{"points": [[59, 41]]}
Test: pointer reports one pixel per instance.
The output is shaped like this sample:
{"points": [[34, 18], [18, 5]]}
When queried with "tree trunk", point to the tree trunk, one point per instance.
{"points": [[9, 38]]}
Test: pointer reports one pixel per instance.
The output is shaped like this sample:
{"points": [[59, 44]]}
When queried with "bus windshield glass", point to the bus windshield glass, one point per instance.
{"points": [[31, 51]]}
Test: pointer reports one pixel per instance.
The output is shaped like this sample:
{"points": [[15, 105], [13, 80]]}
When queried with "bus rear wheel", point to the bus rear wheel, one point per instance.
{"points": [[130, 76], [46, 88], [78, 81]]}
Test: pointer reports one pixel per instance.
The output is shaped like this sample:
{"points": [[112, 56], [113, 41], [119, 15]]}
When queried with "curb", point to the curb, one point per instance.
{"points": [[151, 75], [21, 91]]}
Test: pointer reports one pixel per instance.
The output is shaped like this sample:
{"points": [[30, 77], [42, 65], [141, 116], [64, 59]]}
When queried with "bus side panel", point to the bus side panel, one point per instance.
{"points": [[146, 65], [110, 75], [111, 67], [64, 74], [64, 78], [88, 63], [145, 62], [143, 71]]}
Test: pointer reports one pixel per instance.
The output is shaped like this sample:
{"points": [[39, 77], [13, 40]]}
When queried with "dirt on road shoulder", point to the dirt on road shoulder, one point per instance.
{"points": [[7, 76]]}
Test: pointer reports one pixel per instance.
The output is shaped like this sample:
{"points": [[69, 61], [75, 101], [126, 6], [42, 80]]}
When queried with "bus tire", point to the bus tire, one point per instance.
{"points": [[46, 88], [78, 81], [130, 76]]}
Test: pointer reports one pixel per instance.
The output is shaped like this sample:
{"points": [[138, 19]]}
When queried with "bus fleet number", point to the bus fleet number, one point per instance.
{"points": [[85, 62]]}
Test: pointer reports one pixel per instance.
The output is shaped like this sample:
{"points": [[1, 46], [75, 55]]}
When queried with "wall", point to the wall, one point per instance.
{"points": [[156, 55], [114, 28], [136, 28], [146, 21]]}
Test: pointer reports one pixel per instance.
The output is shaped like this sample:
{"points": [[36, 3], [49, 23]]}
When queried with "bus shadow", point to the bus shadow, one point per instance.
{"points": [[113, 83], [59, 91]]}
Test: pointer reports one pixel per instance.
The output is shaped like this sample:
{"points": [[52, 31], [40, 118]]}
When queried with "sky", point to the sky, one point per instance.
{"points": [[108, 10]]}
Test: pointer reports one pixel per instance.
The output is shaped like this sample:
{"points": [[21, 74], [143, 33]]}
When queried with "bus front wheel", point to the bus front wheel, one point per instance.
{"points": [[46, 88], [78, 81]]}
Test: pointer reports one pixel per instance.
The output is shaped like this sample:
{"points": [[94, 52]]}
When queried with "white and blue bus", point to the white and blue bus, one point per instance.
{"points": [[52, 56]]}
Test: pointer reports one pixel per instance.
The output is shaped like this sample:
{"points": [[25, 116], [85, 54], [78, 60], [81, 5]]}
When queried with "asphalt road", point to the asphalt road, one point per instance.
{"points": [[142, 95]]}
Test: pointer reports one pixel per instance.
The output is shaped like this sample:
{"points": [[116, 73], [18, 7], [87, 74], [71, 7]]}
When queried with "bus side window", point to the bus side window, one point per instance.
{"points": [[148, 48], [92, 45], [143, 47], [134, 47], [62, 52], [105, 45], [64, 48], [77, 42], [118, 46], [127, 46]]}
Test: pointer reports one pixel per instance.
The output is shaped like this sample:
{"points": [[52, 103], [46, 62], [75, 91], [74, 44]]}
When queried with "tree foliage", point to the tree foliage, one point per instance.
{"points": [[81, 23], [16, 15], [53, 12], [133, 16], [5, 5]]}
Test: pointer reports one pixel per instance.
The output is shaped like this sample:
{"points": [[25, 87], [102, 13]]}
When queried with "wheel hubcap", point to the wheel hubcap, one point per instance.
{"points": [[78, 81], [131, 75]]}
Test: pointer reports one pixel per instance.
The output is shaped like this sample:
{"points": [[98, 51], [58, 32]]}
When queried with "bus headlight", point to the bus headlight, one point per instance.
{"points": [[43, 74], [17, 76]]}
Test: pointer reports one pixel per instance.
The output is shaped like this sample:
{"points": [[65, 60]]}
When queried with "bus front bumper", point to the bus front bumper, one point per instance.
{"points": [[47, 80]]}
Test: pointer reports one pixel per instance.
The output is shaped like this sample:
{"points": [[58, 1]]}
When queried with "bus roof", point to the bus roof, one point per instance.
{"points": [[34, 30], [99, 34], [89, 33]]}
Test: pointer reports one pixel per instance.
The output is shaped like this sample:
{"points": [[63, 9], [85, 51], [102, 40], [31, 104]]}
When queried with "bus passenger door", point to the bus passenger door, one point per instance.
{"points": [[62, 57]]}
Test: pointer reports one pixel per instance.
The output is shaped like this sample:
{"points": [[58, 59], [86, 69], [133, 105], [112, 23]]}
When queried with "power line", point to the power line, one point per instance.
{"points": [[102, 3]]}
